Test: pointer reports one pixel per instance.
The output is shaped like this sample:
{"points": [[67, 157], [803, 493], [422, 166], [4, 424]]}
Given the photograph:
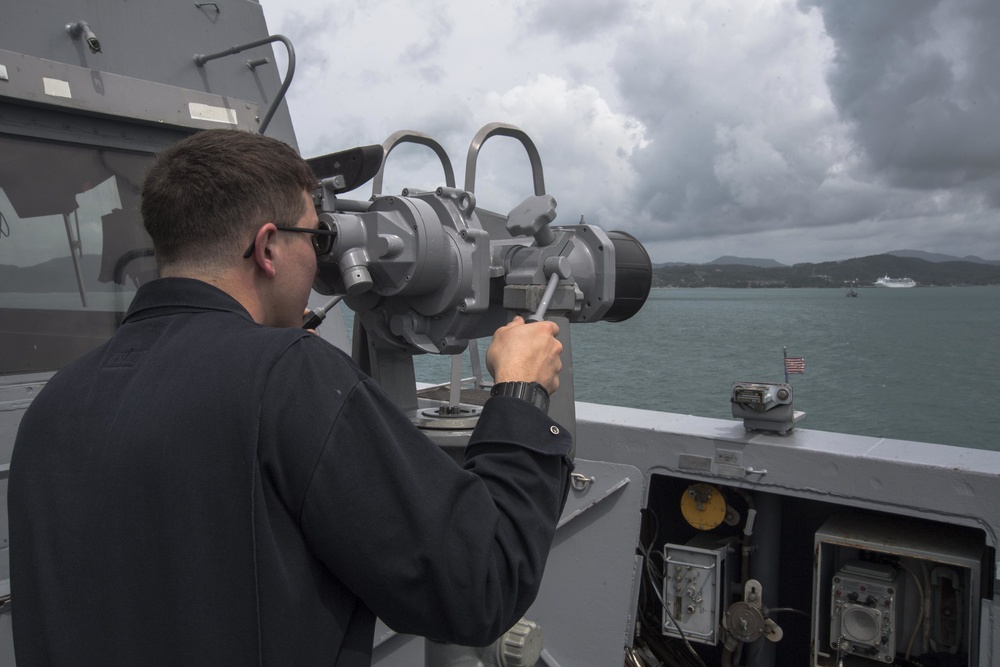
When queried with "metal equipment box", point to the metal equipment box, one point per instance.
{"points": [[696, 587], [888, 586]]}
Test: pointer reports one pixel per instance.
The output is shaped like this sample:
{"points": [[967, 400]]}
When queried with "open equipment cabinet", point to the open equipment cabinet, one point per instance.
{"points": [[836, 585]]}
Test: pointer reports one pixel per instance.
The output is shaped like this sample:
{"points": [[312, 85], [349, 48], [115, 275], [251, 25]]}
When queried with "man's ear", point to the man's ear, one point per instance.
{"points": [[263, 252]]}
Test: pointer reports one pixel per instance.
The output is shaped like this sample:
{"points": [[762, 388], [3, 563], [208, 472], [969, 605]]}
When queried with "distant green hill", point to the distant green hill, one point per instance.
{"points": [[749, 261], [58, 275], [938, 257], [860, 271]]}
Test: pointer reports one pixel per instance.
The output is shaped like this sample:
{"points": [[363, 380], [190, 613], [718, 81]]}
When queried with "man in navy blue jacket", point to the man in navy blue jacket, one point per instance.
{"points": [[217, 486]]}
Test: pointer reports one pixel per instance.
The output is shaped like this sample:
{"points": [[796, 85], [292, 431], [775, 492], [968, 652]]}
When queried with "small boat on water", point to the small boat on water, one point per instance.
{"points": [[895, 282], [852, 292]]}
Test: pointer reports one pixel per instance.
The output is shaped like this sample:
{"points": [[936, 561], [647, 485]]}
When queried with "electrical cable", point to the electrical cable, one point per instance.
{"points": [[680, 632], [663, 653], [648, 657], [920, 616], [658, 577], [632, 658], [774, 610], [925, 645]]}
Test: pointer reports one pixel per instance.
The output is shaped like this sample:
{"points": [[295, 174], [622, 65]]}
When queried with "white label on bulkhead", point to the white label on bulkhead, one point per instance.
{"points": [[729, 457], [695, 463], [56, 87], [214, 114], [3, 73]]}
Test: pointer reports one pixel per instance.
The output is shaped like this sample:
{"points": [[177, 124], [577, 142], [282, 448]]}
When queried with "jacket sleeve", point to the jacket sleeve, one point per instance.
{"points": [[434, 549]]}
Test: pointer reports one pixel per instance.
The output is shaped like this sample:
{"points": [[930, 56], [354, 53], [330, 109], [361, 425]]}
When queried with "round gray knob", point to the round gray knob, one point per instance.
{"points": [[521, 646]]}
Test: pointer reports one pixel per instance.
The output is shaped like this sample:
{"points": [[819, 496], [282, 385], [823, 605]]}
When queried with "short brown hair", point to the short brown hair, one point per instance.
{"points": [[205, 195]]}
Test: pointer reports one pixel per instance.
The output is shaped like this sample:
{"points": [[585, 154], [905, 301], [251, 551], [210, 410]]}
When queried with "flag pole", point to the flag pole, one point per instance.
{"points": [[784, 354]]}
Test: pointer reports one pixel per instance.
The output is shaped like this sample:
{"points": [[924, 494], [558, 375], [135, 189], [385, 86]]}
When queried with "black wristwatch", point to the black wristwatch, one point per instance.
{"points": [[532, 392]]}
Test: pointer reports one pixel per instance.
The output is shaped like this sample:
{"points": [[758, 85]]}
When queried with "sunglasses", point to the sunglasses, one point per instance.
{"points": [[322, 238]]}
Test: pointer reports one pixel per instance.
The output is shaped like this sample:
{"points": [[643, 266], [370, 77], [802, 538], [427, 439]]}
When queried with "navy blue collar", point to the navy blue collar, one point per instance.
{"points": [[167, 296]]}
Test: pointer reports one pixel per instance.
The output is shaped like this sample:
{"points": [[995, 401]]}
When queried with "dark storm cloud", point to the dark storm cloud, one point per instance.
{"points": [[676, 168], [820, 116], [919, 81], [731, 149]]}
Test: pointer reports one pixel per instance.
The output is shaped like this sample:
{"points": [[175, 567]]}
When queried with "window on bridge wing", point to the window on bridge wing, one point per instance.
{"points": [[72, 248]]}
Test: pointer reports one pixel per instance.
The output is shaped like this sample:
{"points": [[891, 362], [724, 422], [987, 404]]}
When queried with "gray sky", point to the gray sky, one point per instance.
{"points": [[798, 131]]}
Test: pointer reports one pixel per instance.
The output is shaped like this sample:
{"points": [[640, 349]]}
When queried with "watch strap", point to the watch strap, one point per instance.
{"points": [[531, 392]]}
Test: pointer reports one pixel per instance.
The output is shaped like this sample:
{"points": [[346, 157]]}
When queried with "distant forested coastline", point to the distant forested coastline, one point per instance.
{"points": [[856, 272], [58, 274]]}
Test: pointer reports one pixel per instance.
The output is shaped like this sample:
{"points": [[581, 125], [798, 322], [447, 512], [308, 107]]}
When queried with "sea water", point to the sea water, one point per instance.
{"points": [[914, 364]]}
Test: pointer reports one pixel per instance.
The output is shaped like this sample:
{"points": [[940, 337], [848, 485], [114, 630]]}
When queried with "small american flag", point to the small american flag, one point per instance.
{"points": [[795, 365]]}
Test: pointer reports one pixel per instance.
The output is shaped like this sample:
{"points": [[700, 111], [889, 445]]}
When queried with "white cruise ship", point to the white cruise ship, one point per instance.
{"points": [[895, 282]]}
